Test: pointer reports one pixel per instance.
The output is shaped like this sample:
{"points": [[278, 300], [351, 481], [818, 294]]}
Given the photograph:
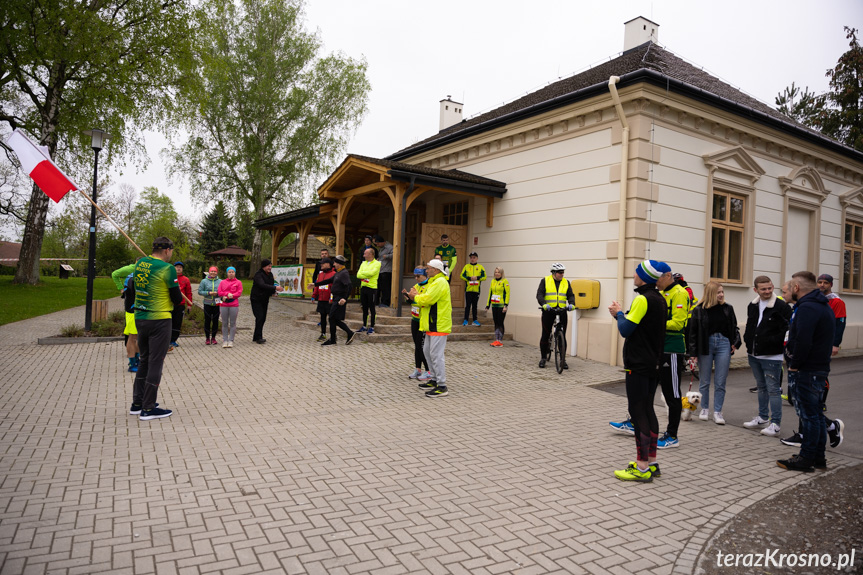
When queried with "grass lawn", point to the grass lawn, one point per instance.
{"points": [[52, 294]]}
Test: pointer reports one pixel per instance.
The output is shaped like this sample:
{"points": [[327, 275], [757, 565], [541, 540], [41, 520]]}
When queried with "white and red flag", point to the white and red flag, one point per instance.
{"points": [[37, 163]]}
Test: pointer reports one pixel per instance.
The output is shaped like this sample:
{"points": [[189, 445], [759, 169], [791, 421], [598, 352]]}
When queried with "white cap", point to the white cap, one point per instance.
{"points": [[436, 264]]}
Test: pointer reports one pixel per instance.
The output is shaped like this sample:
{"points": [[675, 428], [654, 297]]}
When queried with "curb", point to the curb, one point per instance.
{"points": [[70, 340]]}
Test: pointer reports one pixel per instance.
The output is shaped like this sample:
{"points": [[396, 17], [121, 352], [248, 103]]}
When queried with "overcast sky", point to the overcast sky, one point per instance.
{"points": [[484, 53]]}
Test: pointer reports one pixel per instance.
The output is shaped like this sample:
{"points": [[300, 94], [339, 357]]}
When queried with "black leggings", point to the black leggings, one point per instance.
{"points": [[669, 378], [499, 317], [367, 300], [177, 320], [640, 391], [211, 320], [419, 337]]}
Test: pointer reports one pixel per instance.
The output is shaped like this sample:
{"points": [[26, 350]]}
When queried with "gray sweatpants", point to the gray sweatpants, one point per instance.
{"points": [[433, 349], [229, 322]]}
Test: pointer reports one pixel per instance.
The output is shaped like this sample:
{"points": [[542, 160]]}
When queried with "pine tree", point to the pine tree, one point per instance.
{"points": [[843, 118], [217, 230]]}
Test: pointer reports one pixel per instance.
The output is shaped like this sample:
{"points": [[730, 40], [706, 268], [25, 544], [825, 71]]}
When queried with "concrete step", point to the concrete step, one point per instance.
{"points": [[311, 322]]}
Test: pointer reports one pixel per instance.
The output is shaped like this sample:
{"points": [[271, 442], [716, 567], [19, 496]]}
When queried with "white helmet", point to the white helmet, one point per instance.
{"points": [[557, 267]]}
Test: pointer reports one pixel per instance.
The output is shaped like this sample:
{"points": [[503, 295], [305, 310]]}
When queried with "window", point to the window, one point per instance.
{"points": [[852, 256], [455, 214], [726, 245]]}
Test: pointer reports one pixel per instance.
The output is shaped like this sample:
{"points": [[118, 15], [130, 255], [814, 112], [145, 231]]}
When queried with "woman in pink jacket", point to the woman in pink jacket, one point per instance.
{"points": [[230, 290]]}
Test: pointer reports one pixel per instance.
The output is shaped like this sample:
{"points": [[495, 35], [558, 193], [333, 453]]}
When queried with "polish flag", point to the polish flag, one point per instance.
{"points": [[37, 163]]}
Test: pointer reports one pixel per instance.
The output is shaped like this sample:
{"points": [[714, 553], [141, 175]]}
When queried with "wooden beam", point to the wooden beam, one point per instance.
{"points": [[489, 212], [373, 187], [418, 191]]}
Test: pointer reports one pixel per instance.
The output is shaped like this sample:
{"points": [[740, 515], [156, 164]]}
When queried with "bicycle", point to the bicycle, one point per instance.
{"points": [[557, 339]]}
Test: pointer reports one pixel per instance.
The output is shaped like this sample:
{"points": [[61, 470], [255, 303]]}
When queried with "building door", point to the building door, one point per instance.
{"points": [[458, 238], [797, 247]]}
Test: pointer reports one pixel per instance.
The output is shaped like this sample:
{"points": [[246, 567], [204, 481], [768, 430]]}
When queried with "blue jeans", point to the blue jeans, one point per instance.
{"points": [[808, 390], [767, 374], [718, 359]]}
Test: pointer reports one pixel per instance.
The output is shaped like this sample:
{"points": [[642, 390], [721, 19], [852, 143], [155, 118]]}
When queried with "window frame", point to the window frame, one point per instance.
{"points": [[729, 227], [460, 215], [854, 222]]}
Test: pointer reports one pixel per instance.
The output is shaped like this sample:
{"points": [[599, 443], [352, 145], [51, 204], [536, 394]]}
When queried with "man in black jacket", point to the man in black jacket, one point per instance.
{"points": [[767, 318], [264, 287], [341, 290], [810, 346]]}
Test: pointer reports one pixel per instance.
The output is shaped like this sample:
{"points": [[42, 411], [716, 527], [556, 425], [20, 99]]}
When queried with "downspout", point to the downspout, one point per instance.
{"points": [[621, 228], [403, 234]]}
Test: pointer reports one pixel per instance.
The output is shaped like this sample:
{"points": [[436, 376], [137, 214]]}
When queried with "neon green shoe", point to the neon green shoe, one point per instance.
{"points": [[654, 468], [633, 474]]}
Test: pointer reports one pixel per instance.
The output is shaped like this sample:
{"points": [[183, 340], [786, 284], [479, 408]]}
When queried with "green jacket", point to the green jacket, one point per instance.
{"points": [[677, 300], [435, 307], [470, 270], [119, 276]]}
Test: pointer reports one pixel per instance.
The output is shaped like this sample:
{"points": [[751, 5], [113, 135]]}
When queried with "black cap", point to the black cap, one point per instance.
{"points": [[265, 262], [379, 239], [473, 254], [340, 259]]}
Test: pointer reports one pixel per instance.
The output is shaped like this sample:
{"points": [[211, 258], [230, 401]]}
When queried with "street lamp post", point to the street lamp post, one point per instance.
{"points": [[98, 138]]}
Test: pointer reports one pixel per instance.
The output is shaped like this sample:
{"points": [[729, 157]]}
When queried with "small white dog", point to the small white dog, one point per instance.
{"points": [[691, 401]]}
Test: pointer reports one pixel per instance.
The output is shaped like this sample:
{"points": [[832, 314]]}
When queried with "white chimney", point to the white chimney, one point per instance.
{"points": [[450, 113], [638, 31]]}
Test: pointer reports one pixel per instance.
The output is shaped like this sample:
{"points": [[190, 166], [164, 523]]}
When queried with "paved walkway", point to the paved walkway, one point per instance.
{"points": [[292, 458]]}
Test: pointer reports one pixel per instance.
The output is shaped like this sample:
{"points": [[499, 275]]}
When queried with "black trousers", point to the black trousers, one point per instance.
{"points": [[419, 339], [499, 317], [385, 287], [154, 337], [547, 323], [177, 320], [324, 309], [471, 299], [211, 320], [669, 378], [337, 320], [367, 300], [259, 310], [640, 391]]}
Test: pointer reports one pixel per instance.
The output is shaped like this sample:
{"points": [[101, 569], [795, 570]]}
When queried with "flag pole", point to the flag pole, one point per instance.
{"points": [[131, 241]]}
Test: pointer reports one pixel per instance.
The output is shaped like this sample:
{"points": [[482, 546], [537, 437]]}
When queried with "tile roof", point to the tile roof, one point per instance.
{"points": [[648, 62], [436, 173]]}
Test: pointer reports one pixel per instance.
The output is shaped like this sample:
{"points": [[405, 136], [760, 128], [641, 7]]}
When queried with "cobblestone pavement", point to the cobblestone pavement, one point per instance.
{"points": [[292, 458]]}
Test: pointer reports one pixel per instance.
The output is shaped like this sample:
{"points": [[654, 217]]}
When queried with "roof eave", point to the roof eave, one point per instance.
{"points": [[454, 185]]}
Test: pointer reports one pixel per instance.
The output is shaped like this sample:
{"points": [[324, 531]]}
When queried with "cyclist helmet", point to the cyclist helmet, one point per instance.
{"points": [[557, 267]]}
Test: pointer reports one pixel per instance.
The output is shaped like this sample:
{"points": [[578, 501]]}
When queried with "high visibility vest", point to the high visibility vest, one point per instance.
{"points": [[553, 297]]}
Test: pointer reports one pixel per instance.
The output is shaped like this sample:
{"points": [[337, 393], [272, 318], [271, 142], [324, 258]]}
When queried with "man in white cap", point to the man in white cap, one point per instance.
{"points": [[436, 321]]}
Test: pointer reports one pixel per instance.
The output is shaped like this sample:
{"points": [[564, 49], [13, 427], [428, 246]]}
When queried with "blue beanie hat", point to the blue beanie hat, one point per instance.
{"points": [[650, 270]]}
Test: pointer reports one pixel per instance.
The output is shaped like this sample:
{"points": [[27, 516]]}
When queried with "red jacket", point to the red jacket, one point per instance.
{"points": [[186, 288], [321, 291]]}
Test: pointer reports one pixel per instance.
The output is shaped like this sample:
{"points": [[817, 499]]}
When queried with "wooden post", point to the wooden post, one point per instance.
{"points": [[341, 217], [398, 241], [489, 212], [304, 229], [277, 239]]}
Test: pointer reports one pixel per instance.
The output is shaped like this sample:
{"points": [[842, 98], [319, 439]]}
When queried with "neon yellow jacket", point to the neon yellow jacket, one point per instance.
{"points": [[677, 300], [368, 274], [470, 270], [498, 293], [435, 307]]}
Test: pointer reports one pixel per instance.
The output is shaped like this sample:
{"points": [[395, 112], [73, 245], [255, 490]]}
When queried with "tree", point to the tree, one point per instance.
{"points": [[68, 66], [266, 114], [838, 113], [245, 229], [843, 118], [217, 231], [114, 251], [802, 106]]}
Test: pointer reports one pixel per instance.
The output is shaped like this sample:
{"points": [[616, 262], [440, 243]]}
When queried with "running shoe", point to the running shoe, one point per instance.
{"points": [[476, 323], [464, 322], [371, 330], [797, 463], [424, 376], [415, 374], [155, 413], [654, 468], [623, 426], [351, 338], [362, 329], [322, 337], [771, 430], [753, 390], [438, 391], [836, 436], [794, 441], [428, 384], [634, 474], [667, 441]]}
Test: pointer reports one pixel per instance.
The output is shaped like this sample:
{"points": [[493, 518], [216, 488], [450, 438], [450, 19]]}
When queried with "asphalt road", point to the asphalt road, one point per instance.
{"points": [[845, 402]]}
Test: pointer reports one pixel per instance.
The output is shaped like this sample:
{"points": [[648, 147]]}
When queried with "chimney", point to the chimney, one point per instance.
{"points": [[450, 113], [638, 31]]}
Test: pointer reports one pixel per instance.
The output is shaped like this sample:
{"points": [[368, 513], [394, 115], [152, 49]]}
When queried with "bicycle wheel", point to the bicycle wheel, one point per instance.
{"points": [[558, 351]]}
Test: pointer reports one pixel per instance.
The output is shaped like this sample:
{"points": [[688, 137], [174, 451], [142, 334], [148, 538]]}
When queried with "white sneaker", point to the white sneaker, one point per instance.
{"points": [[717, 417], [756, 421], [703, 416], [771, 430], [230, 344], [226, 344]]}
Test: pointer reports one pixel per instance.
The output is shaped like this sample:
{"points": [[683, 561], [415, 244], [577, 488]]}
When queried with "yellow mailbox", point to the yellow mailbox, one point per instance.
{"points": [[586, 293]]}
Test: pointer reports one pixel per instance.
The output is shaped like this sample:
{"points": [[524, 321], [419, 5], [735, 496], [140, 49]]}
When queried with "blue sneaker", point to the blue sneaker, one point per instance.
{"points": [[371, 330], [666, 441], [362, 329], [623, 426], [465, 322], [133, 369], [476, 323], [175, 344]]}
